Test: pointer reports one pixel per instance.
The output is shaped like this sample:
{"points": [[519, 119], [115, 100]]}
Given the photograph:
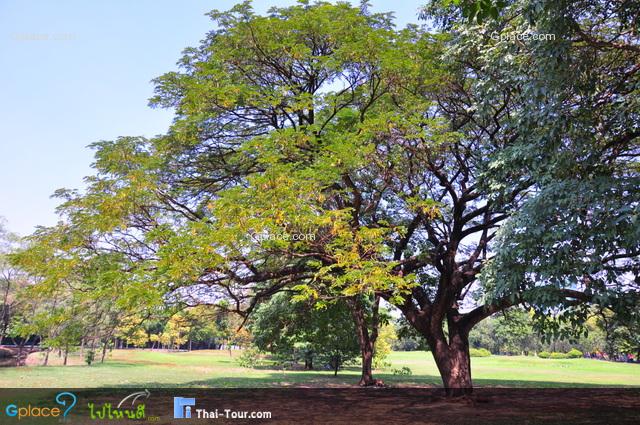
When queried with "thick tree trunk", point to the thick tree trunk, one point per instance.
{"points": [[454, 363], [66, 355], [366, 339], [366, 378]]}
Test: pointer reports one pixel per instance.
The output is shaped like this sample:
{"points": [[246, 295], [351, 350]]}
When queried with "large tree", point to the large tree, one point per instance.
{"points": [[452, 174]]}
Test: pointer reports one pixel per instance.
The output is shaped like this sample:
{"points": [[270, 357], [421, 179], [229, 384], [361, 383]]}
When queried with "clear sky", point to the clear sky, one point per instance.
{"points": [[76, 71]]}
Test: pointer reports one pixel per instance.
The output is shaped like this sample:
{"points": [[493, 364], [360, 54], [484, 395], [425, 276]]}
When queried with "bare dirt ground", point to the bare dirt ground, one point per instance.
{"points": [[391, 406], [388, 406], [504, 406]]}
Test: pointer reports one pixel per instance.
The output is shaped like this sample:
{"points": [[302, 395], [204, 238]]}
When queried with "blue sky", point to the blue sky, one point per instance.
{"points": [[75, 71]]}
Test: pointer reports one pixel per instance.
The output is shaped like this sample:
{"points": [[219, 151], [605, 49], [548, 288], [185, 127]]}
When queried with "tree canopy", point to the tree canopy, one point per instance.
{"points": [[319, 149]]}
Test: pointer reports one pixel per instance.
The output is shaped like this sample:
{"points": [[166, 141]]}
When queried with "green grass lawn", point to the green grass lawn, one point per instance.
{"points": [[142, 368]]}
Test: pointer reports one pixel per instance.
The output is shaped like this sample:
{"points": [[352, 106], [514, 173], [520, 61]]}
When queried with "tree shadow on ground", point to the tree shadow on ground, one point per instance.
{"points": [[499, 406], [319, 380]]}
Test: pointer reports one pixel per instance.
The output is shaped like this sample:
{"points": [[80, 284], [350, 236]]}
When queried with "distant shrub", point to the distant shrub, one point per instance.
{"points": [[381, 364], [555, 355], [574, 354], [544, 354], [89, 357], [250, 358], [405, 371], [479, 352]]}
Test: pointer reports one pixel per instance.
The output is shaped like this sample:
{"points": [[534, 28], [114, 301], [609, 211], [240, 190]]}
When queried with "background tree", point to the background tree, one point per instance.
{"points": [[408, 339], [515, 332], [620, 332], [483, 336], [202, 325], [273, 113], [133, 333], [568, 156], [299, 331], [384, 344], [12, 279]]}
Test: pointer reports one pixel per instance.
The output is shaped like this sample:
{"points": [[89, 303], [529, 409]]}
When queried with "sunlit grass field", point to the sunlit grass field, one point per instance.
{"points": [[144, 368]]}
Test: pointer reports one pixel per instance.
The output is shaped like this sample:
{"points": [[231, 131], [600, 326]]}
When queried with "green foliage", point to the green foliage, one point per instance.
{"points": [[408, 339], [89, 357], [511, 332], [383, 346], [594, 339], [479, 352], [514, 331], [572, 242], [12, 279], [499, 334], [480, 10], [320, 141], [132, 332], [404, 371], [299, 331], [250, 358], [620, 328], [574, 353], [483, 335]]}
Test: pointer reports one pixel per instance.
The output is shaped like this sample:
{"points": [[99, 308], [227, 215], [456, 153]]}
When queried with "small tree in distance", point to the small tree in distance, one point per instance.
{"points": [[294, 331]]}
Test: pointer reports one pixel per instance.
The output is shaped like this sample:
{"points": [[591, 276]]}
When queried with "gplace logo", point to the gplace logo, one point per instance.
{"points": [[182, 407], [65, 399]]}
